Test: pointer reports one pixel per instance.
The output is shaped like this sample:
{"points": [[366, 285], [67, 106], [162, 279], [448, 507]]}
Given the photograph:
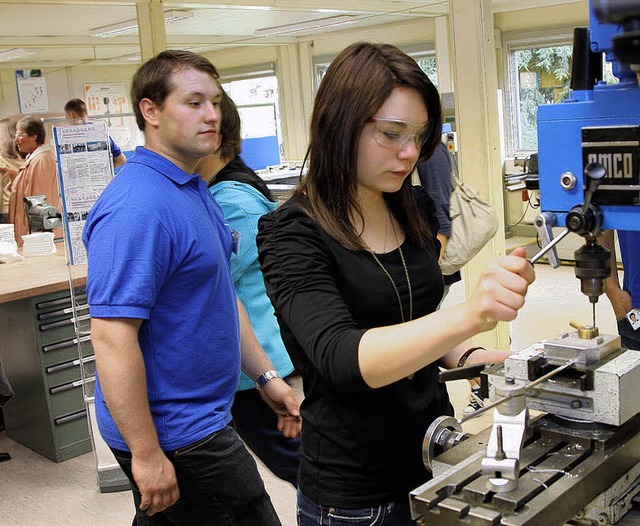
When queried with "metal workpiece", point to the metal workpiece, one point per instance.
{"points": [[583, 352]]}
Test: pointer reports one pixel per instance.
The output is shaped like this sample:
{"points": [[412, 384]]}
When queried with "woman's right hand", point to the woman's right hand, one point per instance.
{"points": [[500, 291]]}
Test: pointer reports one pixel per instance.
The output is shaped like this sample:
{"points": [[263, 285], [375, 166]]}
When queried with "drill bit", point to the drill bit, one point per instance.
{"points": [[594, 314]]}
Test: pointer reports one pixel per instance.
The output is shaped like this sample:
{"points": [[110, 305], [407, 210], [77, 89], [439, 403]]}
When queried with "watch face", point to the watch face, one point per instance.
{"points": [[268, 375]]}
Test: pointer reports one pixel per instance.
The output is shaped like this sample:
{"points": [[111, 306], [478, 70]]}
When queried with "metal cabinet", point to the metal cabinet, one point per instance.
{"points": [[39, 352]]}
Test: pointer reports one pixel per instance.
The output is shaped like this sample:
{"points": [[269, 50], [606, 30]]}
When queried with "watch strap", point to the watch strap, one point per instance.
{"points": [[265, 377]]}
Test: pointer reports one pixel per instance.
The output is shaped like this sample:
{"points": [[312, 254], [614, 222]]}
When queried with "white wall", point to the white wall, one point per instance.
{"points": [[62, 85]]}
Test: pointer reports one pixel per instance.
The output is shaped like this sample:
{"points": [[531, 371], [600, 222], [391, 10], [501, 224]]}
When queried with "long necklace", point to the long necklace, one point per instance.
{"points": [[406, 274]]}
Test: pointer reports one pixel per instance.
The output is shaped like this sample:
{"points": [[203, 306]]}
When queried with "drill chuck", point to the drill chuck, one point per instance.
{"points": [[593, 267]]}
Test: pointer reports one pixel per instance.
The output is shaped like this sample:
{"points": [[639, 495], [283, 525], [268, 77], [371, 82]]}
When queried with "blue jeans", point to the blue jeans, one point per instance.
{"points": [[256, 424], [219, 486], [391, 514], [630, 337]]}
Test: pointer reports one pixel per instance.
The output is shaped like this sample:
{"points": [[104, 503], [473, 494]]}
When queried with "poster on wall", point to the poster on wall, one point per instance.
{"points": [[32, 91], [85, 168], [109, 101]]}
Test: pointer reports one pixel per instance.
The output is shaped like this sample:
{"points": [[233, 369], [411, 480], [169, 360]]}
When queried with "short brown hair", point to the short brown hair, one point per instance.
{"points": [[31, 127], [77, 107], [355, 86], [153, 79]]}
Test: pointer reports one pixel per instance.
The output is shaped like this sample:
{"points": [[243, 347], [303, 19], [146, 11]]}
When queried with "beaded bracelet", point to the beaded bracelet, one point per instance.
{"points": [[467, 353]]}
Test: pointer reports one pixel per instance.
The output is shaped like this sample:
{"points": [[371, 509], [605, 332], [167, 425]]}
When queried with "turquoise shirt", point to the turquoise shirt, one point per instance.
{"points": [[243, 206]]}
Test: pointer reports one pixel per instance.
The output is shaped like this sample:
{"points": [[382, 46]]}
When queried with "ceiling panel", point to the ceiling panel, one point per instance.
{"points": [[58, 30]]}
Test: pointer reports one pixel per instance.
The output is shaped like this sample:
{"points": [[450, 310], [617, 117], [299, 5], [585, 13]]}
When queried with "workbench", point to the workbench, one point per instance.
{"points": [[39, 352]]}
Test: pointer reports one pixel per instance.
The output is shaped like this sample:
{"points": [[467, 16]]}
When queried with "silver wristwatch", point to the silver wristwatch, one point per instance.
{"points": [[262, 380]]}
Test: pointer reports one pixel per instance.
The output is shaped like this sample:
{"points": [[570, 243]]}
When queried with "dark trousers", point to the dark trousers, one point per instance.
{"points": [[256, 424], [219, 486], [391, 514], [630, 338]]}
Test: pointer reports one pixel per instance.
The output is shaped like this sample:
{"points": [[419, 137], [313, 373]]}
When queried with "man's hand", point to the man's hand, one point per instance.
{"points": [[620, 301], [156, 480], [284, 402]]}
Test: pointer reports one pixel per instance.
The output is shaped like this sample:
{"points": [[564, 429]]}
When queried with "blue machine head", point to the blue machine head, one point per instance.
{"points": [[597, 128]]}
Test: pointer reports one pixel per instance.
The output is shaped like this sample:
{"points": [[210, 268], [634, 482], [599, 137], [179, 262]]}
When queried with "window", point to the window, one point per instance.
{"points": [[255, 94], [538, 72]]}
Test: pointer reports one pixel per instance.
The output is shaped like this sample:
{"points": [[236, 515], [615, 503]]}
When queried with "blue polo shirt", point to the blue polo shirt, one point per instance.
{"points": [[116, 151], [630, 251], [159, 250]]}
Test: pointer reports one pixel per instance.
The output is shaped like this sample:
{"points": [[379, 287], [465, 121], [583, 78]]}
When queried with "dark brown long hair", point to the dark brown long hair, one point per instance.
{"points": [[355, 86]]}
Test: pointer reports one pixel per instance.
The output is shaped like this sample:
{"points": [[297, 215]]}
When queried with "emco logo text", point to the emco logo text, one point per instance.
{"points": [[617, 165]]}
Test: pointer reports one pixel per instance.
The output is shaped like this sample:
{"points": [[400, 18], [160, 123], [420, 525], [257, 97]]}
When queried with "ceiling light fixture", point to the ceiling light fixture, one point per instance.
{"points": [[13, 54], [305, 26], [131, 26]]}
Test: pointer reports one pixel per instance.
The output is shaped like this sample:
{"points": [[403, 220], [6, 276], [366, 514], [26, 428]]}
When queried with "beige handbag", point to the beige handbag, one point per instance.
{"points": [[473, 224]]}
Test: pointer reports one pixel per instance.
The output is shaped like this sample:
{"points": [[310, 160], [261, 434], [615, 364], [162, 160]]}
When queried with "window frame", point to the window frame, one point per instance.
{"points": [[517, 41]]}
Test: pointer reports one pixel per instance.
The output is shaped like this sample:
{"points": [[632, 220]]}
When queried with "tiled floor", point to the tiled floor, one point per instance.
{"points": [[37, 492]]}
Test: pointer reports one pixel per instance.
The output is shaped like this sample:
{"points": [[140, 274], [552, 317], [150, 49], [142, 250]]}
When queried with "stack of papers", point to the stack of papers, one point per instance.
{"points": [[38, 244]]}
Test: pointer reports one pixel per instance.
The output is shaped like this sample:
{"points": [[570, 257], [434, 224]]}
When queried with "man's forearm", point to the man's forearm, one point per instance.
{"points": [[607, 240], [254, 361], [123, 382]]}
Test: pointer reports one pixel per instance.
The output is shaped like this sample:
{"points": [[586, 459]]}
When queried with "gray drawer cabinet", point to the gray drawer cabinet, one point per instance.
{"points": [[40, 356]]}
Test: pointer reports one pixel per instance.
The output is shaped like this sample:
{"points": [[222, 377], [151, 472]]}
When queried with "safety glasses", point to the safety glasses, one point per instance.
{"points": [[395, 134]]}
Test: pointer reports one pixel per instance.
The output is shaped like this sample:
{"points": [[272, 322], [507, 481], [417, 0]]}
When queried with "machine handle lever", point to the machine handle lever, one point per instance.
{"points": [[548, 247], [462, 373], [544, 222]]}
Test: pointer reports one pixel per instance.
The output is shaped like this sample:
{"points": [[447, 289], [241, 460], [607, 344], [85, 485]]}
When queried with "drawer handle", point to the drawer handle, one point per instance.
{"points": [[70, 418], [61, 301], [61, 312], [53, 303], [69, 365], [56, 324], [71, 385], [66, 343]]}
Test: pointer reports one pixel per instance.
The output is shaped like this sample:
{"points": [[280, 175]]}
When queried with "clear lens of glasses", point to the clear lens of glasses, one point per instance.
{"points": [[395, 134]]}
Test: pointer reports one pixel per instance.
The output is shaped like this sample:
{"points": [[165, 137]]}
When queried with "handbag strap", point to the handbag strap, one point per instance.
{"points": [[455, 175]]}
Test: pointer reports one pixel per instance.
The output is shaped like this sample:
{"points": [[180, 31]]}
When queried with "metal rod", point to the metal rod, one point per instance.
{"points": [[548, 247], [509, 397]]}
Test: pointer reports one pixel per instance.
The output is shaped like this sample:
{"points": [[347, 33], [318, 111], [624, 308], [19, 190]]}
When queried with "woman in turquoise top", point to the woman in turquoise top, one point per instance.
{"points": [[244, 198]]}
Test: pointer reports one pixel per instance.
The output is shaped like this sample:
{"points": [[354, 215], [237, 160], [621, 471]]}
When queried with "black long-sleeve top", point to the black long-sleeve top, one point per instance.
{"points": [[360, 446]]}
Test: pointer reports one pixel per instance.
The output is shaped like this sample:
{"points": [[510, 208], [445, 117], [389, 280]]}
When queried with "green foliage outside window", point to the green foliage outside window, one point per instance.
{"points": [[543, 78], [428, 65]]}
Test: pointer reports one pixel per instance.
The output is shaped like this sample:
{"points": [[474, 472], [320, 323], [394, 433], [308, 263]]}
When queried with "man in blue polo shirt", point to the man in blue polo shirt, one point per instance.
{"points": [[75, 110], [625, 299], [168, 333]]}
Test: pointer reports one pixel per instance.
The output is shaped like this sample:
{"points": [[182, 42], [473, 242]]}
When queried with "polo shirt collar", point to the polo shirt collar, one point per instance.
{"points": [[162, 165]]}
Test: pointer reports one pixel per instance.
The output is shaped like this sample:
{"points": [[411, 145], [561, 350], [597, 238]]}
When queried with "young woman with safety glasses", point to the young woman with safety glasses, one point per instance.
{"points": [[351, 266]]}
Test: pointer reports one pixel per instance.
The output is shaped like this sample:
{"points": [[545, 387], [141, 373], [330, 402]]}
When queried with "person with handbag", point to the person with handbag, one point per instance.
{"points": [[435, 176], [351, 266]]}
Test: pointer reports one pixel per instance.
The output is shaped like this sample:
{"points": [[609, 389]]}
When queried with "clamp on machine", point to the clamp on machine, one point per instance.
{"points": [[577, 459]]}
